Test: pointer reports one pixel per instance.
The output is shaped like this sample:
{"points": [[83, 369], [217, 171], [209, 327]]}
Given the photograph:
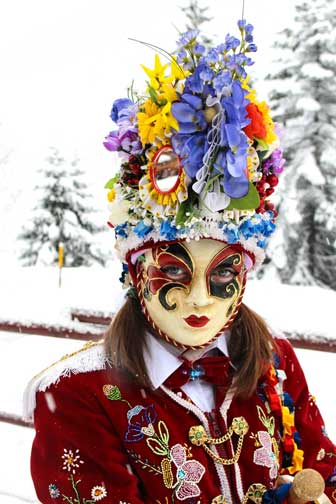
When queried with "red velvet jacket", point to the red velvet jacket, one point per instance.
{"points": [[101, 438]]}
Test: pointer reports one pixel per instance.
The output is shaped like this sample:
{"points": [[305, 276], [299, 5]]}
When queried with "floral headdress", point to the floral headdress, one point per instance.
{"points": [[199, 153]]}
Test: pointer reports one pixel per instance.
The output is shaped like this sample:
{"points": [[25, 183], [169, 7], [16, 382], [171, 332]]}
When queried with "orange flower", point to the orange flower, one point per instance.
{"points": [[256, 128]]}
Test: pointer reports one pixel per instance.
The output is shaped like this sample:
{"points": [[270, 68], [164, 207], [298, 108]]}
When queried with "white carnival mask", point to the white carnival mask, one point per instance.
{"points": [[190, 292]]}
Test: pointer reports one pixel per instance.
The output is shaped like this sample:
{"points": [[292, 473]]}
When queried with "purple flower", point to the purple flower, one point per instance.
{"points": [[130, 142], [112, 142], [119, 107], [199, 49], [251, 48], [188, 38], [275, 163], [140, 423]]}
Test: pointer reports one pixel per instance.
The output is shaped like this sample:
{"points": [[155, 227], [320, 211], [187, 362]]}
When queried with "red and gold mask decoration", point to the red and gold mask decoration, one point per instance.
{"points": [[191, 292]]}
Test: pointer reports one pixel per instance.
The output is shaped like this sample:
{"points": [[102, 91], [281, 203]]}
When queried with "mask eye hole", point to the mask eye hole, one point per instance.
{"points": [[176, 273], [221, 275]]}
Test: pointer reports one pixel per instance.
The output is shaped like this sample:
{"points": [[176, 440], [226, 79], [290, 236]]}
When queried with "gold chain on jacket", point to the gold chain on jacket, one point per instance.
{"points": [[199, 437]]}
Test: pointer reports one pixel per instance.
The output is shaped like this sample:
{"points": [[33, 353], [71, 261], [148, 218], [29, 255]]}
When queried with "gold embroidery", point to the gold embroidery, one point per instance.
{"points": [[168, 478]]}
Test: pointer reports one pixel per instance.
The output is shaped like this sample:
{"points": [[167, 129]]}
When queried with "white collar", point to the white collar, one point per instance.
{"points": [[162, 358]]}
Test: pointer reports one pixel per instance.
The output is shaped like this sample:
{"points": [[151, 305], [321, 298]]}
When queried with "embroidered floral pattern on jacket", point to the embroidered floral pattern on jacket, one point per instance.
{"points": [[189, 472], [141, 422], [267, 452], [71, 460], [98, 493], [71, 463], [54, 491], [265, 456]]}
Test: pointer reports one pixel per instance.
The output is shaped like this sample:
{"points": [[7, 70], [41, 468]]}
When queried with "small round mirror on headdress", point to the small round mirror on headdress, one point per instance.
{"points": [[166, 170]]}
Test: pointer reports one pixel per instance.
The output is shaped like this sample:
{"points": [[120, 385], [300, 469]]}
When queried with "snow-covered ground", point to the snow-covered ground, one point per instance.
{"points": [[33, 295]]}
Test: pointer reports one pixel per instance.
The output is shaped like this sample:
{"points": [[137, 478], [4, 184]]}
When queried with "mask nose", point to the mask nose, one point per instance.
{"points": [[198, 296]]}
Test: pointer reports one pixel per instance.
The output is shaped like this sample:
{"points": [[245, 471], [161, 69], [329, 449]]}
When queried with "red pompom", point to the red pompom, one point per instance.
{"points": [[256, 128]]}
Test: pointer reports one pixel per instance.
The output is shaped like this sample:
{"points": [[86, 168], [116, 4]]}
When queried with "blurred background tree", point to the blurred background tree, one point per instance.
{"points": [[303, 99], [62, 213], [196, 16]]}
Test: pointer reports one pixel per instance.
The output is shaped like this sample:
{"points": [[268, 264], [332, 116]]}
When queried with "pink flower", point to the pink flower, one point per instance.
{"points": [[189, 472], [265, 456]]}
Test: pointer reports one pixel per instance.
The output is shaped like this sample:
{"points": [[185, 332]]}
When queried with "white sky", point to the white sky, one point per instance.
{"points": [[63, 63]]}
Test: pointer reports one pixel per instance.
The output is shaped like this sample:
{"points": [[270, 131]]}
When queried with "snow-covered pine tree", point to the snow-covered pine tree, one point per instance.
{"points": [[196, 17], [62, 214], [303, 98]]}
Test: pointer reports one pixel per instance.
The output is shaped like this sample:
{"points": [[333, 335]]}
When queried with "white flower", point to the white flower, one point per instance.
{"points": [[71, 460], [98, 492], [119, 211]]}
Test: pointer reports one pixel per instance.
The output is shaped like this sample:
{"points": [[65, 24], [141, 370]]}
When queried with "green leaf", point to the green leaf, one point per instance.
{"points": [[111, 182], [152, 94], [156, 447], [163, 431], [183, 209], [262, 144], [249, 202]]}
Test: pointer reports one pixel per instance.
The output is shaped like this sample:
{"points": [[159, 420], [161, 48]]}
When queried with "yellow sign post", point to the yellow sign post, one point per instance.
{"points": [[60, 262]]}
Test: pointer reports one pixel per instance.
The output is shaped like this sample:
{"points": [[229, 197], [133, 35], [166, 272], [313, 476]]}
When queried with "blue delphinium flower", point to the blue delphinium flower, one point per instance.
{"points": [[196, 81], [223, 79], [189, 114], [191, 148], [211, 57], [184, 59], [231, 159], [235, 106], [190, 143]]}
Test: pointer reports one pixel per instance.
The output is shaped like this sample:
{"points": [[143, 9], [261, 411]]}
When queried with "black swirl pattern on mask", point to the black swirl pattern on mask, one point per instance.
{"points": [[229, 289], [177, 250]]}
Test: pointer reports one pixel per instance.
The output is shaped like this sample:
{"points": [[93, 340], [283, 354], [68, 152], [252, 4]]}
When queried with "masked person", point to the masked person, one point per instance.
{"points": [[191, 397]]}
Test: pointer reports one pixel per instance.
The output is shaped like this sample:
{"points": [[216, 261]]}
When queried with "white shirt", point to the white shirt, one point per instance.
{"points": [[162, 359]]}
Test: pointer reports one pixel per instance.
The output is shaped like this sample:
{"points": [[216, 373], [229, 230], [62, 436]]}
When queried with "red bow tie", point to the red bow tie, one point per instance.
{"points": [[214, 370]]}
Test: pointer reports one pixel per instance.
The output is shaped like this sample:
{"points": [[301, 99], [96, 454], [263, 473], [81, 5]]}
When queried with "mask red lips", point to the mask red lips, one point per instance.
{"points": [[195, 321]]}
